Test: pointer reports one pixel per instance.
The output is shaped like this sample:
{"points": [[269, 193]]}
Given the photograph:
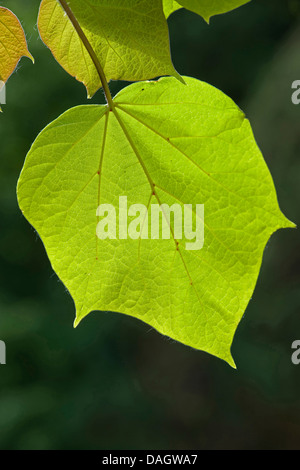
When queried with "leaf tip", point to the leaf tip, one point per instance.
{"points": [[179, 77], [81, 313], [286, 223], [76, 321], [291, 224], [30, 57], [230, 362]]}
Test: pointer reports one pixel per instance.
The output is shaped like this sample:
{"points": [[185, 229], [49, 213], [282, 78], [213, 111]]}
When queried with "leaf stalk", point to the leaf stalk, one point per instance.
{"points": [[90, 50]]}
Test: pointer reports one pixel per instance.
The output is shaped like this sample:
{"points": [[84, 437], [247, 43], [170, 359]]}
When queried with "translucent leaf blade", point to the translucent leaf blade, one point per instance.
{"points": [[204, 8], [166, 143], [131, 41], [13, 44]]}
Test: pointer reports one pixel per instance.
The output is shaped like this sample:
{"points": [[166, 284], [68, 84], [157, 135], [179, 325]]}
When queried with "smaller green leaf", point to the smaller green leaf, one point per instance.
{"points": [[13, 44], [130, 39], [204, 8]]}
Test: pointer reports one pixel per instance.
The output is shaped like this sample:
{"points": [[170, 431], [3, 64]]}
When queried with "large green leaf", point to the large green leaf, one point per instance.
{"points": [[164, 143], [130, 39], [205, 8]]}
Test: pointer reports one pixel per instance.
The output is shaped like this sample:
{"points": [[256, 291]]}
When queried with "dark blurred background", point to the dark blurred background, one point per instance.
{"points": [[113, 383]]}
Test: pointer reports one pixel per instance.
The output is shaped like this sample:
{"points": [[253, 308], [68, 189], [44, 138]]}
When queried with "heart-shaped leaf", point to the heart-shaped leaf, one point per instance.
{"points": [[130, 39], [163, 143], [205, 8]]}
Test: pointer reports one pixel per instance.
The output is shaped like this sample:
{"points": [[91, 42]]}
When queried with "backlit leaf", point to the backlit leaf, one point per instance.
{"points": [[130, 39], [13, 44], [164, 143], [205, 8]]}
